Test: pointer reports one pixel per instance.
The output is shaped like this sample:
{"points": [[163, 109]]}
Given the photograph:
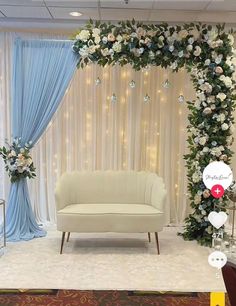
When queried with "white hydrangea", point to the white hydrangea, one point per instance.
{"points": [[197, 199], [116, 47], [202, 140], [83, 35], [226, 80], [224, 126], [221, 96]]}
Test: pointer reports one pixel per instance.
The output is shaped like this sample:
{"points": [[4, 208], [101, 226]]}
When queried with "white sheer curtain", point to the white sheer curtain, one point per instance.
{"points": [[90, 132]]}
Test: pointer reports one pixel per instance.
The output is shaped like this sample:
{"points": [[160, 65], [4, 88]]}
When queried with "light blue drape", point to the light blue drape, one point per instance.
{"points": [[42, 70]]}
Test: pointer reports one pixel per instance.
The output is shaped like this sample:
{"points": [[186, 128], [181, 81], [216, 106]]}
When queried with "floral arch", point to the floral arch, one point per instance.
{"points": [[208, 55]]}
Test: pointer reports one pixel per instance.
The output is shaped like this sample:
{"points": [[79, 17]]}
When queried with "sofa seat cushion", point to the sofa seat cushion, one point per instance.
{"points": [[114, 208], [110, 217]]}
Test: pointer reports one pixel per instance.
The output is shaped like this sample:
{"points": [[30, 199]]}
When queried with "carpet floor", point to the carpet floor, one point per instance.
{"points": [[109, 261], [103, 298]]}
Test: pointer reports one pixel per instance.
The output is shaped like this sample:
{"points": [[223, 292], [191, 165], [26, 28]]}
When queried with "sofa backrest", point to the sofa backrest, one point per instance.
{"points": [[107, 187]]}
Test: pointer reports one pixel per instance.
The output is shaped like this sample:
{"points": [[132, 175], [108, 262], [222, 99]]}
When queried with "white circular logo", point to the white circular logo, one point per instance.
{"points": [[217, 173]]}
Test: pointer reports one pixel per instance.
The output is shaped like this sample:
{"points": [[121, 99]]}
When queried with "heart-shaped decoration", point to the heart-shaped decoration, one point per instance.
{"points": [[217, 219]]}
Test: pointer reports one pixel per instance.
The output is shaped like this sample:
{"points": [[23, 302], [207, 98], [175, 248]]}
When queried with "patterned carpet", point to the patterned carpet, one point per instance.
{"points": [[101, 298]]}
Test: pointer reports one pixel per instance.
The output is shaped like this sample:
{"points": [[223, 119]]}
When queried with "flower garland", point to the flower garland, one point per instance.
{"points": [[18, 161], [208, 55]]}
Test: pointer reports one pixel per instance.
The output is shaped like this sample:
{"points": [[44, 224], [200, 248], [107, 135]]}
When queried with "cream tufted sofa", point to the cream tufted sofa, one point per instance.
{"points": [[110, 201]]}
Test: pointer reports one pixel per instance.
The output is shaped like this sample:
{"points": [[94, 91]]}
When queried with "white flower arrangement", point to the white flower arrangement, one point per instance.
{"points": [[18, 161]]}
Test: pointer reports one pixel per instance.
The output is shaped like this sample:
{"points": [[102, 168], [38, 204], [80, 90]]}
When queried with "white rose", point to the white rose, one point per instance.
{"points": [[221, 96], [197, 51], [224, 127], [83, 35], [205, 149], [206, 87], [197, 104], [105, 52], [96, 32], [215, 152], [202, 140], [84, 52], [119, 38], [92, 49], [183, 34], [207, 111], [221, 118], [226, 80], [196, 177], [97, 39], [189, 48], [116, 47], [195, 33], [207, 62], [197, 199], [201, 96]]}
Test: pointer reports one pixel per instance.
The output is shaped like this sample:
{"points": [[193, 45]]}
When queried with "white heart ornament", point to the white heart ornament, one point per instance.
{"points": [[217, 219]]}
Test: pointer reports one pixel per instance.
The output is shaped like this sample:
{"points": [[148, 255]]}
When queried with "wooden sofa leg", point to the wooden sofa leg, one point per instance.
{"points": [[149, 237], [68, 237], [62, 241], [158, 248]]}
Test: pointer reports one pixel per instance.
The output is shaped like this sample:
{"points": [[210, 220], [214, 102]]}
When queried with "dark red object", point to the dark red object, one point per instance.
{"points": [[105, 298], [229, 274], [217, 191]]}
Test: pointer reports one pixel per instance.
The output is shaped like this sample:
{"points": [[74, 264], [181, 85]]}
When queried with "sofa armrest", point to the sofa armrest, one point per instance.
{"points": [[158, 195]]}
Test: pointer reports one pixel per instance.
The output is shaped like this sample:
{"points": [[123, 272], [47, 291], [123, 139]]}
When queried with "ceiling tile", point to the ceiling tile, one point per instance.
{"points": [[219, 17], [119, 14], [221, 5], [22, 2], [131, 4], [25, 12], [74, 4], [173, 16], [180, 4], [64, 13]]}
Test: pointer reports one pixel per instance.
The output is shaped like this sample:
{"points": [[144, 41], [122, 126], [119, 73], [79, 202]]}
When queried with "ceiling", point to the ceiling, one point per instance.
{"points": [[52, 13]]}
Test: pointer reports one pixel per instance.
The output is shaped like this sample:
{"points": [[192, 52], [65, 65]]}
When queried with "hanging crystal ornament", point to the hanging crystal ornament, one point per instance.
{"points": [[132, 84], [146, 98], [181, 98], [166, 84], [113, 98], [98, 81]]}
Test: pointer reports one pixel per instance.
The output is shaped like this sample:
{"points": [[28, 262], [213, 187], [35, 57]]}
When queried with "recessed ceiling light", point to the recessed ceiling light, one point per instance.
{"points": [[75, 14]]}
